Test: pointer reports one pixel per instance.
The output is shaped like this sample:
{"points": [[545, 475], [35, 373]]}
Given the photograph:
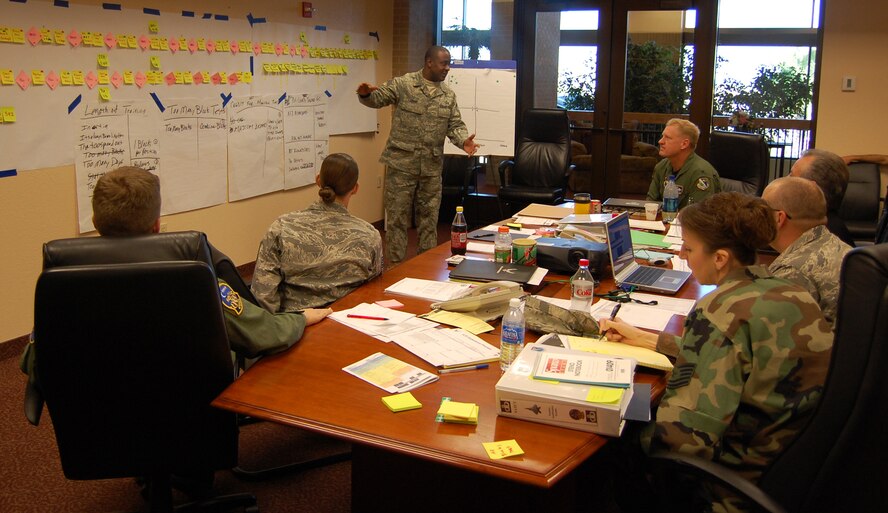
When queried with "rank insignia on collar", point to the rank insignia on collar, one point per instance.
{"points": [[231, 300], [703, 183]]}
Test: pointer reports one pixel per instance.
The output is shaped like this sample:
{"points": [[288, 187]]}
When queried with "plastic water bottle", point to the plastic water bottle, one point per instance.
{"points": [[582, 288], [502, 246], [512, 338], [459, 233], [670, 200]]}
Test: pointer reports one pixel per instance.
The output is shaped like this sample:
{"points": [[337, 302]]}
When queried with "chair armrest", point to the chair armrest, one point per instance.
{"points": [[712, 471], [504, 166]]}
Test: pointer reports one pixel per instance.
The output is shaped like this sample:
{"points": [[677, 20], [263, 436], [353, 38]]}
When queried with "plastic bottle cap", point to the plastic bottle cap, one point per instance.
{"points": [[515, 302], [459, 209], [502, 229], [584, 262]]}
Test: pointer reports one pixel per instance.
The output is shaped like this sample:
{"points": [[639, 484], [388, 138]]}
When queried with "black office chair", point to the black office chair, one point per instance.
{"points": [[860, 206], [882, 227], [542, 162], [742, 161], [458, 181], [131, 349], [834, 463]]}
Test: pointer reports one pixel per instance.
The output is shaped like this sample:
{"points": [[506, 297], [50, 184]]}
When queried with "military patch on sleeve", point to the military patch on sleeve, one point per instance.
{"points": [[681, 375], [231, 300], [703, 183]]}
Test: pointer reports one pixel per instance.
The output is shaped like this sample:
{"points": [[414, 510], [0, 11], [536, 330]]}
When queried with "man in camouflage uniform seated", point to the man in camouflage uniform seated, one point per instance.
{"points": [[425, 113], [695, 177], [810, 254]]}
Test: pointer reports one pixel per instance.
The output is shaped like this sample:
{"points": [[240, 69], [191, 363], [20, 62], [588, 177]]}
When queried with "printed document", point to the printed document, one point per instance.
{"points": [[389, 374]]}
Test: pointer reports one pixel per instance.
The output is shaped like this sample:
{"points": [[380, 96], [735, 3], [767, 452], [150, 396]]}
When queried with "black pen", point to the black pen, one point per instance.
{"points": [[613, 316]]}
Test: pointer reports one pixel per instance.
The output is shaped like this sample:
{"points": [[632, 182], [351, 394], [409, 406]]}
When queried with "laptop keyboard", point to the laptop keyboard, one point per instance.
{"points": [[644, 276]]}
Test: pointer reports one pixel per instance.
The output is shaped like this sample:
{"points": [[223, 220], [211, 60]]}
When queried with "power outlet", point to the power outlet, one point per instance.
{"points": [[379, 182]]}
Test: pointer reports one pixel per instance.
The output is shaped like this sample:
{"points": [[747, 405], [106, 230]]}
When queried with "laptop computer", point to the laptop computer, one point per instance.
{"points": [[623, 205], [628, 272]]}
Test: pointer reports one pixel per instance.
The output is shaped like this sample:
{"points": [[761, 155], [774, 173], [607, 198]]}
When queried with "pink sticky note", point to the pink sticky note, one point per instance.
{"points": [[198, 78], [211, 46], [234, 47], [305, 51], [144, 42], [140, 79], [278, 49], [390, 303], [232, 79], [192, 45], [91, 79], [23, 80], [216, 78], [110, 40], [257, 48], [33, 36], [174, 45], [52, 80], [292, 49], [116, 79], [170, 78], [75, 38]]}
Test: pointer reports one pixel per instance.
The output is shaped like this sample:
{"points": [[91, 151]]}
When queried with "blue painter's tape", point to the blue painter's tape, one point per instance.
{"points": [[148, 10], [328, 93], [188, 14], [253, 20], [320, 27], [207, 15], [158, 102], [111, 7], [221, 17], [6, 173], [60, 3], [282, 98], [73, 105], [251, 65], [376, 35], [225, 99]]}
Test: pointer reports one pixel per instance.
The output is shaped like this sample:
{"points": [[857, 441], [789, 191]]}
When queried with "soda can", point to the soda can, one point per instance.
{"points": [[524, 252], [595, 207]]}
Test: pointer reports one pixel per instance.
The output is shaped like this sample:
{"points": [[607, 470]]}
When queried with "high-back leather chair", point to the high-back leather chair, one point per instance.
{"points": [[835, 462], [458, 181], [131, 348], [542, 162], [741, 160], [860, 205]]}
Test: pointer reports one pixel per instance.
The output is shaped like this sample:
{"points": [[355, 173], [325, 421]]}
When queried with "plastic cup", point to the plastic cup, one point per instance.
{"points": [[651, 210], [581, 203]]}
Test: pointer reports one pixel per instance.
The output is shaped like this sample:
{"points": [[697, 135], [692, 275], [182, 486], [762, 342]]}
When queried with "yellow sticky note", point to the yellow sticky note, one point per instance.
{"points": [[155, 43], [7, 77], [164, 44], [268, 67], [128, 78], [605, 395], [244, 46], [8, 114], [456, 409], [18, 36], [206, 76], [180, 77], [267, 47], [201, 44], [102, 60], [103, 77], [59, 37], [67, 78], [5, 35], [104, 93], [46, 36], [38, 77], [347, 39], [77, 77], [187, 77], [155, 62], [503, 449], [303, 37], [153, 27], [123, 41], [401, 402]]}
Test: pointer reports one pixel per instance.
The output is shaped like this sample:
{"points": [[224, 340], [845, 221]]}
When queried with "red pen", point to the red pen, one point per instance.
{"points": [[370, 317]]}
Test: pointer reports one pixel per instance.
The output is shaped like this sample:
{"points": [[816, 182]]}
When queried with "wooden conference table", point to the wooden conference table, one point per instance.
{"points": [[407, 458]]}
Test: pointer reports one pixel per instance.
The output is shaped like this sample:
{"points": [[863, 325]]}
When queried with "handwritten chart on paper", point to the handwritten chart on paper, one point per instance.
{"points": [[255, 147], [306, 138], [111, 135], [193, 144], [485, 92]]}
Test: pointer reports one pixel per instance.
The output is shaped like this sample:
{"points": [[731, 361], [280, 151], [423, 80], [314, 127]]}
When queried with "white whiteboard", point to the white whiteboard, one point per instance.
{"points": [[485, 92]]}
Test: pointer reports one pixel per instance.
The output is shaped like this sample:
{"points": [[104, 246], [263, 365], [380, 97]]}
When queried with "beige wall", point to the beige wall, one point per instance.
{"points": [[37, 206]]}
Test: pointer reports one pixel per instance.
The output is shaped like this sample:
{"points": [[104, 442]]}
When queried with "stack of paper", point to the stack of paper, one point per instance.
{"points": [[448, 348], [389, 374], [456, 412], [429, 289], [380, 322]]}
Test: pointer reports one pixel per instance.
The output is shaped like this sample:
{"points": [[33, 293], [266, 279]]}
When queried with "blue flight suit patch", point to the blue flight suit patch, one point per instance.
{"points": [[230, 299]]}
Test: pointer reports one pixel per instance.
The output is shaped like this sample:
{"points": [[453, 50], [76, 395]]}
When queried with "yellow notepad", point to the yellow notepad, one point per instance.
{"points": [[456, 409], [401, 402], [644, 357]]}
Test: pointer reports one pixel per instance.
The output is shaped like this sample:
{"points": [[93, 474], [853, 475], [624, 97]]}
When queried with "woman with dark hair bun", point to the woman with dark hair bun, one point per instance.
{"points": [[752, 360], [312, 257]]}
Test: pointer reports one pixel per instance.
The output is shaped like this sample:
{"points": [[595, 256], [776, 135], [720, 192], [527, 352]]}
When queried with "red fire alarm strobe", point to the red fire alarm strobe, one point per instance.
{"points": [[306, 9]]}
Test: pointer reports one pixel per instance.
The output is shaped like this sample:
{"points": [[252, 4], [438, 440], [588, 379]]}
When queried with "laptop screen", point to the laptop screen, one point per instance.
{"points": [[619, 243]]}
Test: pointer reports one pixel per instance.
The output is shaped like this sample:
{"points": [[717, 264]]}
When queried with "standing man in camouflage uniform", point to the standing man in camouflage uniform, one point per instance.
{"points": [[810, 254], [425, 113], [695, 177], [754, 355]]}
